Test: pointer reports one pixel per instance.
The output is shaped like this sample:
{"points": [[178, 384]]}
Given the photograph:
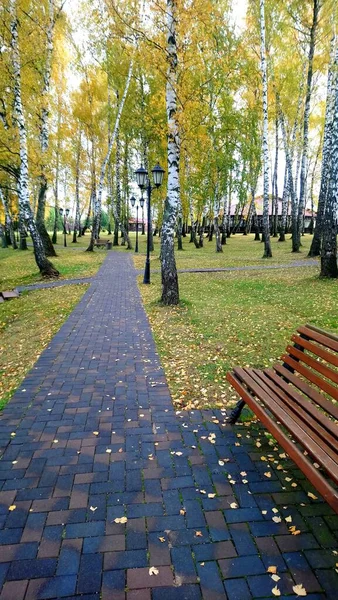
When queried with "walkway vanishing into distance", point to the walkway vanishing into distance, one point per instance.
{"points": [[294, 264], [107, 493]]}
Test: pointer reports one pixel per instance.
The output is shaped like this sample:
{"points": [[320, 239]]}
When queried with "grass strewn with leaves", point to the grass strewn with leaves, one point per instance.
{"points": [[26, 327], [19, 267], [239, 251], [234, 318]]}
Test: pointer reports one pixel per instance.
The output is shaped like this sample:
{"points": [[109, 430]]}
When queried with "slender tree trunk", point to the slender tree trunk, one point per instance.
{"points": [[77, 225], [303, 171], [225, 220], [329, 266], [201, 234], [179, 228], [265, 147], [275, 183], [170, 292], [315, 249], [295, 248], [97, 206], [3, 237], [8, 220], [46, 267]]}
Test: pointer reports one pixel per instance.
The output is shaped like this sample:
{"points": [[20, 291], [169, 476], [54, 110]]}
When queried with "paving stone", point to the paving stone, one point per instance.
{"points": [[62, 541]]}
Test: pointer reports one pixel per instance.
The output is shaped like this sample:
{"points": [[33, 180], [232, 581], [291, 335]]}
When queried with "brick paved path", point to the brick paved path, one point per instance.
{"points": [[91, 436]]}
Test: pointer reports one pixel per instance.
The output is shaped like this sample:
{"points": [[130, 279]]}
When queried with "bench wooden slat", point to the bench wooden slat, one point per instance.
{"points": [[305, 420], [284, 417], [313, 394], [313, 475], [314, 364], [306, 424], [319, 335], [317, 350], [303, 403], [308, 374]]}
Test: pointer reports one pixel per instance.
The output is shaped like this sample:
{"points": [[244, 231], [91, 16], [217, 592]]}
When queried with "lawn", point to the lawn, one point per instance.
{"points": [[26, 327], [229, 319], [19, 268]]}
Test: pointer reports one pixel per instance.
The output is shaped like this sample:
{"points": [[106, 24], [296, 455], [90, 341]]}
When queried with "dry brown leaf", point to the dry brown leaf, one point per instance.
{"points": [[299, 590], [275, 591], [272, 569], [120, 520]]}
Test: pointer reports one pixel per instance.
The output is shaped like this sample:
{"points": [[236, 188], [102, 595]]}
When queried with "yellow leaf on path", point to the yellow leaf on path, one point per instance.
{"points": [[108, 451], [288, 519], [93, 508], [267, 474], [153, 571], [120, 520], [275, 591], [198, 534], [95, 432], [211, 495], [299, 590], [275, 578], [272, 569], [183, 511], [12, 507], [276, 519], [120, 450], [275, 510], [162, 539], [233, 505], [311, 495]]}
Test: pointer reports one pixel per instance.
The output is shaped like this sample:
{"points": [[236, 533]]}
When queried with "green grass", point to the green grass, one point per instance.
{"points": [[233, 318], [19, 267], [26, 327]]}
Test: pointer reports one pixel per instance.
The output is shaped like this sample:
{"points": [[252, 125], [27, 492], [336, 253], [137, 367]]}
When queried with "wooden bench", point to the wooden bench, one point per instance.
{"points": [[101, 243], [296, 403]]}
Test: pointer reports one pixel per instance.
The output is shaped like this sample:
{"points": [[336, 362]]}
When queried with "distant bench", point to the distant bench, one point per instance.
{"points": [[296, 402], [103, 244]]}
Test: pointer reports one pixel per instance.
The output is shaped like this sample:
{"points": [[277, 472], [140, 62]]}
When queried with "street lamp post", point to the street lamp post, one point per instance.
{"points": [[64, 214], [143, 182], [132, 202]]}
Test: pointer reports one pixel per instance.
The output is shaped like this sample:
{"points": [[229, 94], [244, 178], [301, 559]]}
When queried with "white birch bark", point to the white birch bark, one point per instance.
{"points": [[46, 268], [329, 267], [170, 292], [97, 205], [326, 155], [305, 148], [265, 146]]}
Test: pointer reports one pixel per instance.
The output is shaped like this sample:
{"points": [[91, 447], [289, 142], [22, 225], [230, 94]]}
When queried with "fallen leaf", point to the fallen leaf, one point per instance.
{"points": [[198, 534], [267, 474], [275, 578], [288, 519], [276, 519], [299, 590], [93, 508], [179, 453], [12, 507], [162, 539], [120, 520], [120, 450], [233, 505], [183, 511], [272, 569], [311, 495], [108, 451], [275, 591], [211, 495], [153, 571], [95, 432]]}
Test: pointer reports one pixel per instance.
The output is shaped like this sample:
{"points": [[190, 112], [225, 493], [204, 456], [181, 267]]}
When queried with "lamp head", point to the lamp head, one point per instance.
{"points": [[132, 201], [141, 175], [142, 202], [61, 211], [158, 173]]}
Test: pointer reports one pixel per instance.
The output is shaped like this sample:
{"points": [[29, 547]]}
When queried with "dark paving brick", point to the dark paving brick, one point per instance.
{"points": [[101, 373]]}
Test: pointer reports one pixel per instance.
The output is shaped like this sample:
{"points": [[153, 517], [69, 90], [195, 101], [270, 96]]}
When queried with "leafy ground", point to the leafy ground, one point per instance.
{"points": [[239, 251], [19, 268], [26, 327], [229, 319]]}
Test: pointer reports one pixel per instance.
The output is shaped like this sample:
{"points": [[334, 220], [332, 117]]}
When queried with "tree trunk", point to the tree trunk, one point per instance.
{"points": [[170, 292], [77, 191], [46, 267], [284, 206], [303, 171], [315, 249], [40, 217], [97, 205], [8, 222], [201, 234], [291, 189], [3, 237], [265, 147]]}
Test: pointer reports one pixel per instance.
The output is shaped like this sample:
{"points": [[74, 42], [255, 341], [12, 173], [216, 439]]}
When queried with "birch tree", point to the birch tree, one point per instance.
{"points": [[265, 146], [45, 266], [170, 292]]}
